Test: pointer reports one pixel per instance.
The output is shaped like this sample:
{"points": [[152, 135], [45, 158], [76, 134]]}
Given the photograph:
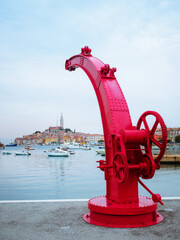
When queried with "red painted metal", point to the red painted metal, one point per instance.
{"points": [[158, 120], [128, 152]]}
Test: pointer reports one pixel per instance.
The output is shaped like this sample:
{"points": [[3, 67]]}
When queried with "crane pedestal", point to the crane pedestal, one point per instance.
{"points": [[125, 215]]}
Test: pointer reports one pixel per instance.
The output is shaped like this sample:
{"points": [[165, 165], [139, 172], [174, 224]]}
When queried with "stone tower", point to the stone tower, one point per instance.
{"points": [[62, 121]]}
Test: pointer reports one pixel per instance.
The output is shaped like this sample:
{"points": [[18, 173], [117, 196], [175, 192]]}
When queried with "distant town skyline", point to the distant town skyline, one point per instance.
{"points": [[140, 38], [58, 135]]}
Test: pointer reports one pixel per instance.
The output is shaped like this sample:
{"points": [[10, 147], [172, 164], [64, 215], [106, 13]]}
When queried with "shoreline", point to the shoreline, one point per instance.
{"points": [[170, 158]]}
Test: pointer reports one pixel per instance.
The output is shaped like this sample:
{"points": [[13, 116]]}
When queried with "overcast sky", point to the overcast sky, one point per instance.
{"points": [[141, 38]]}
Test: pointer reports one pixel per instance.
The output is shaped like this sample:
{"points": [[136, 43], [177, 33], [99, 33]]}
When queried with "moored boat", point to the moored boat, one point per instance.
{"points": [[58, 153], [28, 147], [11, 145], [6, 153], [101, 151], [22, 153], [73, 145], [85, 148], [71, 152]]}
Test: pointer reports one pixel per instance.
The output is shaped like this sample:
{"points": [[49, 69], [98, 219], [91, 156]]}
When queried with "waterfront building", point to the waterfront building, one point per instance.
{"points": [[19, 141], [171, 134], [94, 137], [158, 134], [55, 129], [56, 135]]}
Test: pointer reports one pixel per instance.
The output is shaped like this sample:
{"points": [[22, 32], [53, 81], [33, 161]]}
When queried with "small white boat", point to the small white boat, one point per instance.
{"points": [[58, 153], [71, 152], [28, 147], [22, 153], [71, 146], [85, 148], [101, 151], [67, 150]]}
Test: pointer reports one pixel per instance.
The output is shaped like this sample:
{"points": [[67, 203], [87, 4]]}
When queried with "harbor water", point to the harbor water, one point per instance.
{"points": [[39, 177]]}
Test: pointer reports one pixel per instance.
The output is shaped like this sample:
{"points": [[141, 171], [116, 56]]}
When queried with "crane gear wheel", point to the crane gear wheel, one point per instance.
{"points": [[120, 167], [148, 171], [151, 132]]}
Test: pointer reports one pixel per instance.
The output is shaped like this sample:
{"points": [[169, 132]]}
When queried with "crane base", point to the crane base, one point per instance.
{"points": [[125, 215]]}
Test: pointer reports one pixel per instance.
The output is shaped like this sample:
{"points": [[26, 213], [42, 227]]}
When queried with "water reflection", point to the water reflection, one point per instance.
{"points": [[170, 166], [76, 176]]}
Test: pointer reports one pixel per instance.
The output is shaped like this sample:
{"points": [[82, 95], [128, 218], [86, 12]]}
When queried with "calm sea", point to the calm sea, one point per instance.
{"points": [[38, 177]]}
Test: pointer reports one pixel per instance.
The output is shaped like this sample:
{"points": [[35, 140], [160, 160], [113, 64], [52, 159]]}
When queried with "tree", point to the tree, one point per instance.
{"points": [[37, 132], [68, 130], [177, 139]]}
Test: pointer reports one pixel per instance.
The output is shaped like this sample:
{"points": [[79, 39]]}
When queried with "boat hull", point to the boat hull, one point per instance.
{"points": [[58, 155], [101, 151], [11, 145], [22, 153]]}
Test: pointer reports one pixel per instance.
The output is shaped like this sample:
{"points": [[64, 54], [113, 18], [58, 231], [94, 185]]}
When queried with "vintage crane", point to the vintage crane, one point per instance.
{"points": [[128, 152]]}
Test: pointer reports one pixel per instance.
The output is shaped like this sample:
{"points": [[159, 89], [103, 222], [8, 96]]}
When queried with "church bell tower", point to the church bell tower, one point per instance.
{"points": [[62, 121]]}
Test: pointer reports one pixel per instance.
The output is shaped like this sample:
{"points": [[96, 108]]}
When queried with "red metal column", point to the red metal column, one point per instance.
{"points": [[114, 114]]}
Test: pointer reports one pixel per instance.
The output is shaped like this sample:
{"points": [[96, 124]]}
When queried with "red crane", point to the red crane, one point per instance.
{"points": [[128, 152]]}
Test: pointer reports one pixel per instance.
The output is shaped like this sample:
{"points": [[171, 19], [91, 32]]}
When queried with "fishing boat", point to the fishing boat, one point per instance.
{"points": [[85, 148], [22, 153], [58, 153], [67, 150], [73, 145], [11, 145], [101, 147], [28, 147], [101, 151]]}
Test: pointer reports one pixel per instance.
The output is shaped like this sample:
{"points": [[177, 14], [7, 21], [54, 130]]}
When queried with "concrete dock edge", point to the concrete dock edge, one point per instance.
{"points": [[62, 219]]}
